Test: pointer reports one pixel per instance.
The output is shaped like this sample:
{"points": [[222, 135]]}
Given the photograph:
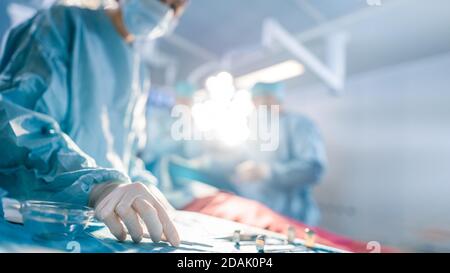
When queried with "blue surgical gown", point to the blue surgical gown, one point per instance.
{"points": [[72, 106], [296, 166]]}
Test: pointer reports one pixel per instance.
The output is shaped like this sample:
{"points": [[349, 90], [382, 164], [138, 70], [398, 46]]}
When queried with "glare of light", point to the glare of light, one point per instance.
{"points": [[225, 113], [234, 131], [242, 103], [204, 116], [220, 87], [276, 73], [211, 83], [225, 78]]}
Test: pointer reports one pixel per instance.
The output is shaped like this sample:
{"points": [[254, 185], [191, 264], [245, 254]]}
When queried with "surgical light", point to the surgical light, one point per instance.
{"points": [[220, 86], [225, 112], [276, 73]]}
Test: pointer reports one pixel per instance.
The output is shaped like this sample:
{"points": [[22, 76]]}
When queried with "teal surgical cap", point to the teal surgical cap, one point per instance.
{"points": [[268, 89], [185, 90]]}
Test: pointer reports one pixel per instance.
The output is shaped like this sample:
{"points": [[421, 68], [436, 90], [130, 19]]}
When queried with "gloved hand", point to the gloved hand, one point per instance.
{"points": [[251, 171], [119, 205]]}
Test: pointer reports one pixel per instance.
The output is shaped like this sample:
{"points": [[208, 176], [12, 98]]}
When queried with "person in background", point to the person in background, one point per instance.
{"points": [[283, 179], [171, 159], [72, 103], [160, 141]]}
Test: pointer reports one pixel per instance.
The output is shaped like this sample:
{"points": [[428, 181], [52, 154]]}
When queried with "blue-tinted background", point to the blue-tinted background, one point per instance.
{"points": [[387, 135]]}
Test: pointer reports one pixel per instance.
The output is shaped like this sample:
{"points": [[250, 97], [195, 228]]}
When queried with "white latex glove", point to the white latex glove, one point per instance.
{"points": [[127, 205], [251, 171]]}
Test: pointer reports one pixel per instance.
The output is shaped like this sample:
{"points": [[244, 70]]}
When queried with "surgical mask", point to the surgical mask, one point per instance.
{"points": [[148, 18]]}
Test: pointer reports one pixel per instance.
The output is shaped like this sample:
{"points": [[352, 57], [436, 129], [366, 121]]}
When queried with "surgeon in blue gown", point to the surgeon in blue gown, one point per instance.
{"points": [[72, 112], [283, 178]]}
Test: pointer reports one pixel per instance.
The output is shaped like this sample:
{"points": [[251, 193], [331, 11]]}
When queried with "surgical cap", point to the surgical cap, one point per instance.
{"points": [[268, 89], [185, 90]]}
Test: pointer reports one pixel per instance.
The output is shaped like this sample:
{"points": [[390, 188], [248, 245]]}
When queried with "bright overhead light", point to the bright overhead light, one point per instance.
{"points": [[220, 86], [279, 72]]}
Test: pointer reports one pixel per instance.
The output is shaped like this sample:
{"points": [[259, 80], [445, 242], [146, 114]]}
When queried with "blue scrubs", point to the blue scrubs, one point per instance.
{"points": [[72, 106], [296, 166]]}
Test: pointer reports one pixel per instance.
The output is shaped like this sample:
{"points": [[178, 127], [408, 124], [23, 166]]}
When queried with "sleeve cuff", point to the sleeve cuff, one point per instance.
{"points": [[80, 190]]}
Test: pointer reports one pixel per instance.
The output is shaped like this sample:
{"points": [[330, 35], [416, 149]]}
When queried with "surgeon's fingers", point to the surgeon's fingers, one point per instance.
{"points": [[169, 228], [107, 205], [158, 195], [116, 227], [150, 217], [131, 221]]}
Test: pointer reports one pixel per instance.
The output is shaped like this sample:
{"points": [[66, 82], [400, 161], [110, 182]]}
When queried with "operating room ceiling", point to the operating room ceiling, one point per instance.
{"points": [[219, 26], [395, 32], [398, 31]]}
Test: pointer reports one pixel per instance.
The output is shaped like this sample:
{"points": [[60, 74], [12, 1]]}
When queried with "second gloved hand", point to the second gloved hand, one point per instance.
{"points": [[127, 205], [251, 171]]}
